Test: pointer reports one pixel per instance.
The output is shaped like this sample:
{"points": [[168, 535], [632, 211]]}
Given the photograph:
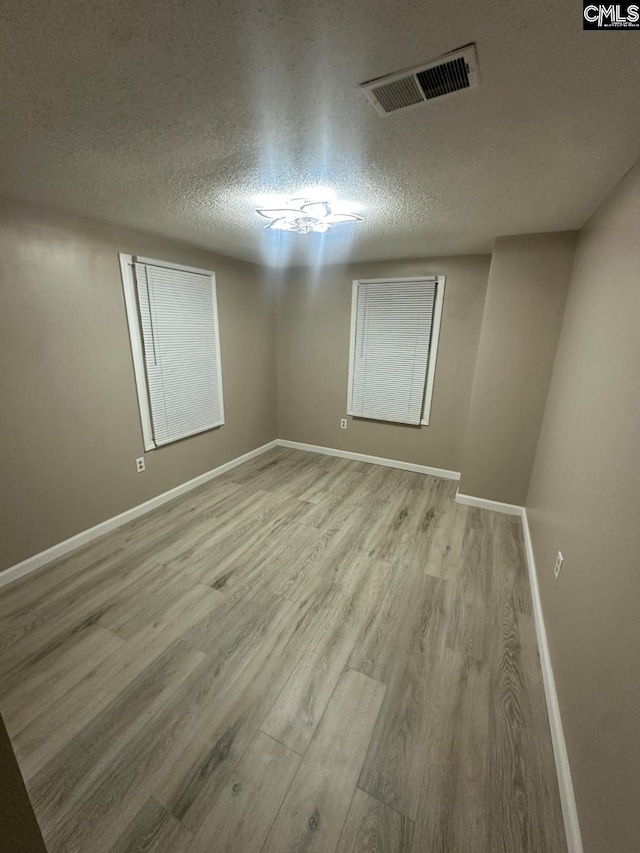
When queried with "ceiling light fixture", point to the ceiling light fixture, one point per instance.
{"points": [[304, 216]]}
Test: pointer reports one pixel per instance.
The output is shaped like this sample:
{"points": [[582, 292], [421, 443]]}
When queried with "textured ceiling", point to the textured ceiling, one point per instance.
{"points": [[182, 116]]}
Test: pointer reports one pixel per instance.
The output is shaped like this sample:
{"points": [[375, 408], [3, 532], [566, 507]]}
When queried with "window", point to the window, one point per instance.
{"points": [[395, 325], [173, 326]]}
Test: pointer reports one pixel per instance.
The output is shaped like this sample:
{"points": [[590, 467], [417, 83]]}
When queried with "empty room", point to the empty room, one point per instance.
{"points": [[319, 427]]}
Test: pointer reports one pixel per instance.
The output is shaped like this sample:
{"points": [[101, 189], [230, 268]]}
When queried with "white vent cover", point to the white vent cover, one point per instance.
{"points": [[439, 78]]}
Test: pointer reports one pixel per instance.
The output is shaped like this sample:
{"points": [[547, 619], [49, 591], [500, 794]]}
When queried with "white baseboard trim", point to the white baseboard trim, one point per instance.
{"points": [[563, 770], [567, 797], [485, 503], [56, 551], [561, 757], [374, 460]]}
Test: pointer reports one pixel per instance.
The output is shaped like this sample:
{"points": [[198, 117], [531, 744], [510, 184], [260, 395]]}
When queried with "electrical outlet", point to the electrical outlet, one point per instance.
{"points": [[140, 464], [343, 423], [558, 565]]}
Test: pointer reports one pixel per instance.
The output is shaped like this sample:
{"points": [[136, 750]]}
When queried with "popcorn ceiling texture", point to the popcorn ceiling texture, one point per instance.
{"points": [[176, 116]]}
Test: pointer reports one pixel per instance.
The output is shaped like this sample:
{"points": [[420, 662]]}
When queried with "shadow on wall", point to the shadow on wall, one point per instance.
{"points": [[20, 830]]}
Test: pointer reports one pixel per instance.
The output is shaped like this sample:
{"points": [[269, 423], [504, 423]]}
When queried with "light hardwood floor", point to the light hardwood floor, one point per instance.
{"points": [[308, 653]]}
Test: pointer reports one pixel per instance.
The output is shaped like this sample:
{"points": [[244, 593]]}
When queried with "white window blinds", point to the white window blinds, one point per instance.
{"points": [[392, 345], [178, 329]]}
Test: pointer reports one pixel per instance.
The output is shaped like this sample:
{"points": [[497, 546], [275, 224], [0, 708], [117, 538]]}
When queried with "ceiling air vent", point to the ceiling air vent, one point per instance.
{"points": [[437, 79]]}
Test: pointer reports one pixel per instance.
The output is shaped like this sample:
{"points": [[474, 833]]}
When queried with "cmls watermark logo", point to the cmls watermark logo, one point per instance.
{"points": [[606, 16]]}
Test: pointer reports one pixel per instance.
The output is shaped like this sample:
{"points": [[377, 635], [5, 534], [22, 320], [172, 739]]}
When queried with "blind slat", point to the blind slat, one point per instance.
{"points": [[178, 319], [392, 339]]}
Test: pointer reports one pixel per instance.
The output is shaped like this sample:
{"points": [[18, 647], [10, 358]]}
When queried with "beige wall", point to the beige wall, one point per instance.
{"points": [[528, 283], [69, 424], [313, 327], [584, 500], [70, 431]]}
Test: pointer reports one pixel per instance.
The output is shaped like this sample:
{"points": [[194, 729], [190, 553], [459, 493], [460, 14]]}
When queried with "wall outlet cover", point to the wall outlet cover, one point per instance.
{"points": [[558, 565], [343, 423], [140, 464]]}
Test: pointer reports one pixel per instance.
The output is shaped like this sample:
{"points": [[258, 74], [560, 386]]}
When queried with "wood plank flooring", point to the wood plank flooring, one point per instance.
{"points": [[306, 654]]}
